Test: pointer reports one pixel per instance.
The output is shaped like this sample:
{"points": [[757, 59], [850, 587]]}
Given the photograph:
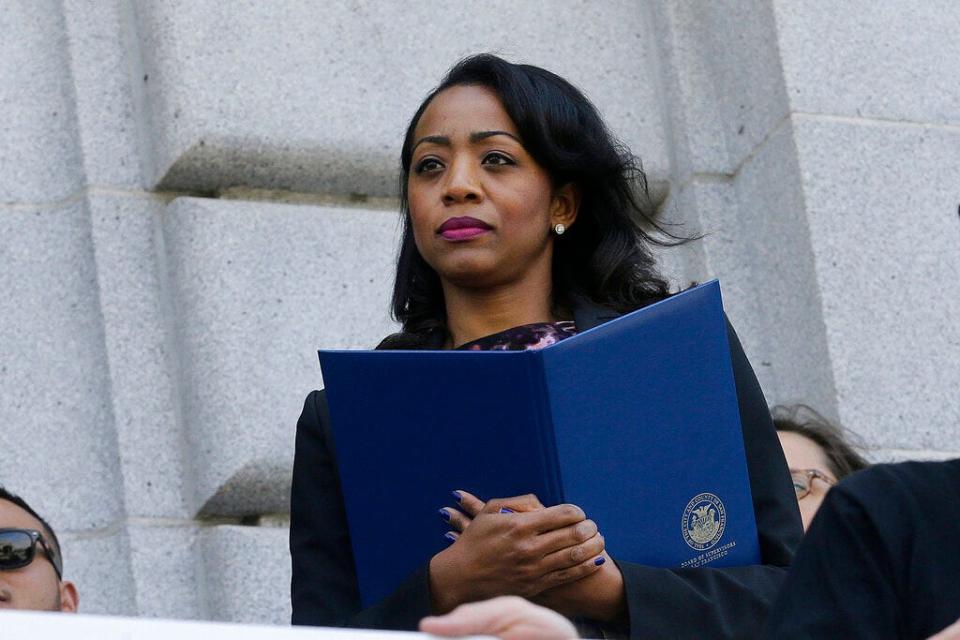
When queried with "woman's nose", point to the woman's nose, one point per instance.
{"points": [[461, 185]]}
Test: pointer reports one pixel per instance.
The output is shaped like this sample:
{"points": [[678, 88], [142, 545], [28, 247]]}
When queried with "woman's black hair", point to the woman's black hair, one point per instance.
{"points": [[842, 457], [604, 257]]}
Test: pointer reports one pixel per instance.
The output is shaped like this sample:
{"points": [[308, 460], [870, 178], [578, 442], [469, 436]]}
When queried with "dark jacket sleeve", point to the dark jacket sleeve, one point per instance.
{"points": [[324, 588], [879, 560], [842, 583], [727, 602]]}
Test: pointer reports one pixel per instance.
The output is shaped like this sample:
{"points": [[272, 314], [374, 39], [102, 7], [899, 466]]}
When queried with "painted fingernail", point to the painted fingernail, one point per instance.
{"points": [[449, 536], [444, 514], [599, 561], [507, 510], [457, 496]]}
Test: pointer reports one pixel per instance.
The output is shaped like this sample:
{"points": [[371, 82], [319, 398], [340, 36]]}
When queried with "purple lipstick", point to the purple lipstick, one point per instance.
{"points": [[463, 228]]}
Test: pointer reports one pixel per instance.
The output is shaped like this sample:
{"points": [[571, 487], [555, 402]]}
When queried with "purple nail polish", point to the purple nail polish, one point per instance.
{"points": [[507, 510], [444, 514], [599, 561], [449, 536], [457, 496]]}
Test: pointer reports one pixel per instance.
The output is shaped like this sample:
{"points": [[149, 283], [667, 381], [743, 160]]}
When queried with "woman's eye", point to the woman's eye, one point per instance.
{"points": [[428, 164], [497, 159]]}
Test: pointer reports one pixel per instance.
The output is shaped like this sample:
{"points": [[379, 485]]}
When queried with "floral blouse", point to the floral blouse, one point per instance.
{"points": [[527, 336]]}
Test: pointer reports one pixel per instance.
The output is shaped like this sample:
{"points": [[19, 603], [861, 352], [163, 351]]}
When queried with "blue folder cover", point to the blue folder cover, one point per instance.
{"points": [[636, 421]]}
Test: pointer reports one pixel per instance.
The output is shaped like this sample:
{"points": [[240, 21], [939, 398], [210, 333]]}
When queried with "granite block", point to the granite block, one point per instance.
{"points": [[247, 573], [276, 96], [682, 264], [98, 564], [106, 73], [257, 288], [904, 455], [691, 94], [887, 60], [722, 79], [741, 45], [167, 569], [41, 161], [710, 209], [142, 354], [727, 250], [882, 204], [792, 356], [57, 444]]}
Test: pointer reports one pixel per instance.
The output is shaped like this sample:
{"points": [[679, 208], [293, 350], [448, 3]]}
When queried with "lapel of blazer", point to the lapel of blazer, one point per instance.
{"points": [[588, 314]]}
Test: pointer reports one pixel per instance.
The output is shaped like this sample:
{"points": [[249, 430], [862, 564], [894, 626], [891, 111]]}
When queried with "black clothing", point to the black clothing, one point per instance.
{"points": [[669, 603], [880, 558]]}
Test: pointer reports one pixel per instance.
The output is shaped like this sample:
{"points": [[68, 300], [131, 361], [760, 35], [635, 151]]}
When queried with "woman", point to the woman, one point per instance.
{"points": [[817, 454], [521, 228]]}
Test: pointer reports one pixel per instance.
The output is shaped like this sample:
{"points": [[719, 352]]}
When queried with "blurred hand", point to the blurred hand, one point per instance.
{"points": [[506, 617], [950, 633], [598, 595], [524, 551]]}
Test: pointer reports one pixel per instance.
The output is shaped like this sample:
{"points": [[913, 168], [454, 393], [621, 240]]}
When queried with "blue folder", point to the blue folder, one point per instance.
{"points": [[636, 421]]}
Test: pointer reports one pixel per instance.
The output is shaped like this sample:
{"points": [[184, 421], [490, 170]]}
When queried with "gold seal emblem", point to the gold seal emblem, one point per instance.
{"points": [[704, 520]]}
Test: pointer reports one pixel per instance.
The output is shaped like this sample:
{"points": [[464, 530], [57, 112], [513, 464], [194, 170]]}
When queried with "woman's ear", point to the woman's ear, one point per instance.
{"points": [[566, 205]]}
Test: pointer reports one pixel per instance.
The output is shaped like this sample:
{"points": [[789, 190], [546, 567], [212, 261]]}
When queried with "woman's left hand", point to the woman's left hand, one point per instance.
{"points": [[599, 596]]}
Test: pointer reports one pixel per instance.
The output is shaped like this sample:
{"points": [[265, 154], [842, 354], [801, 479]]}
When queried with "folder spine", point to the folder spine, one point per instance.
{"points": [[545, 428]]}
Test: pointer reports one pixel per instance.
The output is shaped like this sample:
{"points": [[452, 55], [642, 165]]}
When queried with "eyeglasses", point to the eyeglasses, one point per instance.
{"points": [[18, 548], [803, 480]]}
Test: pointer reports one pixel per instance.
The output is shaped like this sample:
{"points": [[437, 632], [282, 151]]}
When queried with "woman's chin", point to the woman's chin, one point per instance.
{"points": [[470, 274]]}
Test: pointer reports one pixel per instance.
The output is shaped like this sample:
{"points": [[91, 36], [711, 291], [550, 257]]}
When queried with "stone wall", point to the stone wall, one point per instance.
{"points": [[196, 195]]}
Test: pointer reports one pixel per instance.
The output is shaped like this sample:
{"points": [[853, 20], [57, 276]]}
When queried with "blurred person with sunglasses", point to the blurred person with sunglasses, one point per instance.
{"points": [[31, 568], [817, 453]]}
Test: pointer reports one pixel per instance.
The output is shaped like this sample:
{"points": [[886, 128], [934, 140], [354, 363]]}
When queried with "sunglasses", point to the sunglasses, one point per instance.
{"points": [[18, 548], [803, 480]]}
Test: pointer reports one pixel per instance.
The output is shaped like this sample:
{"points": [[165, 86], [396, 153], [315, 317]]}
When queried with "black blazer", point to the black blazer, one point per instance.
{"points": [[669, 603]]}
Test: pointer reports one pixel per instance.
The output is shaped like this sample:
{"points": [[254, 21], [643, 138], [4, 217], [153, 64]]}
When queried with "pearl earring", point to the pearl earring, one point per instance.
{"points": [[559, 229]]}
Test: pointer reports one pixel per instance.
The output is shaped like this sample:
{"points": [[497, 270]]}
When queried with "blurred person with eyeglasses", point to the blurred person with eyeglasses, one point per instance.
{"points": [[31, 567], [818, 454], [879, 560]]}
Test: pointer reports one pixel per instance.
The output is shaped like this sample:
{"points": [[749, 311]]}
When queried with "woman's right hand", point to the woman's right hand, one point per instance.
{"points": [[522, 552]]}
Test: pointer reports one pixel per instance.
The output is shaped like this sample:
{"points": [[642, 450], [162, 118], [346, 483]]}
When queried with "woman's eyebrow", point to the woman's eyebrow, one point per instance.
{"points": [[441, 140], [476, 136], [483, 135]]}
